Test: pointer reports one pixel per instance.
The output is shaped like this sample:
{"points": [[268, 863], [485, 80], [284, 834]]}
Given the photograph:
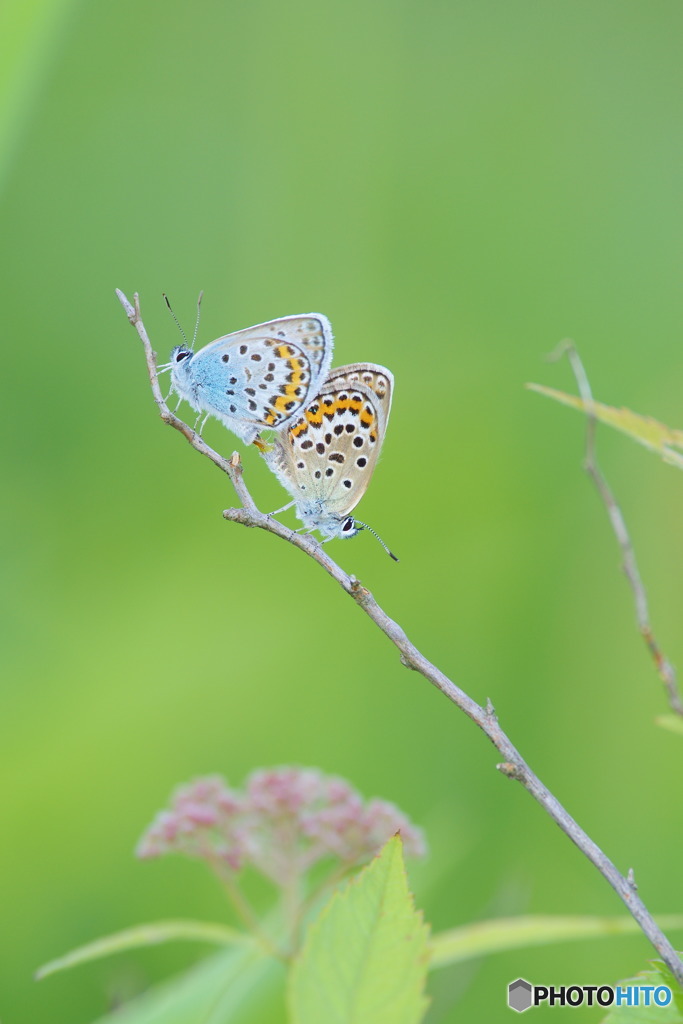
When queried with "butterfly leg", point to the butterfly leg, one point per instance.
{"points": [[203, 423], [283, 509]]}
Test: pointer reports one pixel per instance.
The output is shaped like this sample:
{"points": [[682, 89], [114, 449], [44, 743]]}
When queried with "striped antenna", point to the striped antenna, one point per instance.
{"points": [[364, 526], [199, 309], [177, 321], [196, 326]]}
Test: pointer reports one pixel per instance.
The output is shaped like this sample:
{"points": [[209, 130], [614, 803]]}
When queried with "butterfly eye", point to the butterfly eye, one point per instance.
{"points": [[180, 356], [348, 525]]}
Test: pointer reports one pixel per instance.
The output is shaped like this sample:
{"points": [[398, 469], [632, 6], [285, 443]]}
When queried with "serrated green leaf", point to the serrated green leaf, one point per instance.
{"points": [[674, 723], [224, 989], [493, 936], [146, 935], [364, 960], [653, 1014], [643, 429]]}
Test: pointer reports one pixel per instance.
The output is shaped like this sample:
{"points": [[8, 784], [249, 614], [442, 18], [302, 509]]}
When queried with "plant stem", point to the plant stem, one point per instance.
{"points": [[243, 908]]}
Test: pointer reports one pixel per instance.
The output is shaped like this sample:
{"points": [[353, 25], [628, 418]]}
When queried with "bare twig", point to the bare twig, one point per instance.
{"points": [[513, 765], [667, 672]]}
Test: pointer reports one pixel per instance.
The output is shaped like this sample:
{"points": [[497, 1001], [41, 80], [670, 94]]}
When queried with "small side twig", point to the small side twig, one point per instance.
{"points": [[665, 669], [513, 765]]}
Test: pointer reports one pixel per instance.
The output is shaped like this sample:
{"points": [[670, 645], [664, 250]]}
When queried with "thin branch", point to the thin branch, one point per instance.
{"points": [[513, 765], [665, 669]]}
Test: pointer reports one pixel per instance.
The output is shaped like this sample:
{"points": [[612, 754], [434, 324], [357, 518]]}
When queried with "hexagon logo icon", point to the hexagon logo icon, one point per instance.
{"points": [[519, 995]]}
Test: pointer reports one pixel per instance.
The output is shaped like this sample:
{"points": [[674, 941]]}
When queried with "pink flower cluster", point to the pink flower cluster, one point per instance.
{"points": [[283, 822]]}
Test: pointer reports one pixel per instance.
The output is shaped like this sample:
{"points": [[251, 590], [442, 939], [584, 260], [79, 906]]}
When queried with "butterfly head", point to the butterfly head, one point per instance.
{"points": [[348, 527], [181, 357], [179, 354]]}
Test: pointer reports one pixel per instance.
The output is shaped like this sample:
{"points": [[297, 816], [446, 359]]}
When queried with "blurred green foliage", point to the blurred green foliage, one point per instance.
{"points": [[457, 186]]}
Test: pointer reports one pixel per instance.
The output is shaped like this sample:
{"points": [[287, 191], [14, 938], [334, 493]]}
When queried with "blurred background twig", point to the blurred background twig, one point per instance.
{"points": [[666, 670]]}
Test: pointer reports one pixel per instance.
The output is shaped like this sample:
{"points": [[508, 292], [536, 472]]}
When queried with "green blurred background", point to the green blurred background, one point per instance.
{"points": [[458, 186]]}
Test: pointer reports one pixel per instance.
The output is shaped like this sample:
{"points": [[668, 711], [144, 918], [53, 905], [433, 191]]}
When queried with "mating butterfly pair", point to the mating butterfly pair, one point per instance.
{"points": [[329, 424]]}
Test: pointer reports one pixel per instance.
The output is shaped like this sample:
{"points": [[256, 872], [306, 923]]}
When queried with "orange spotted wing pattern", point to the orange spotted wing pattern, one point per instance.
{"points": [[326, 457]]}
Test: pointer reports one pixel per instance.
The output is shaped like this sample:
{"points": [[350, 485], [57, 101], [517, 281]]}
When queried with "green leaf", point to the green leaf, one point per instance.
{"points": [[674, 723], [146, 935], [225, 989], [643, 429], [672, 982], [364, 960], [486, 937], [653, 1014]]}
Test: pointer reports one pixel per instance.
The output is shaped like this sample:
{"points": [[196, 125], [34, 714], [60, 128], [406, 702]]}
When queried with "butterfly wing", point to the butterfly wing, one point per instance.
{"points": [[326, 458], [377, 378], [261, 376]]}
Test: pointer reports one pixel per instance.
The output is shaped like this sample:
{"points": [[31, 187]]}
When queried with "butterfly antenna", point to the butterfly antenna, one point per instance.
{"points": [[177, 321], [196, 326], [364, 526]]}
